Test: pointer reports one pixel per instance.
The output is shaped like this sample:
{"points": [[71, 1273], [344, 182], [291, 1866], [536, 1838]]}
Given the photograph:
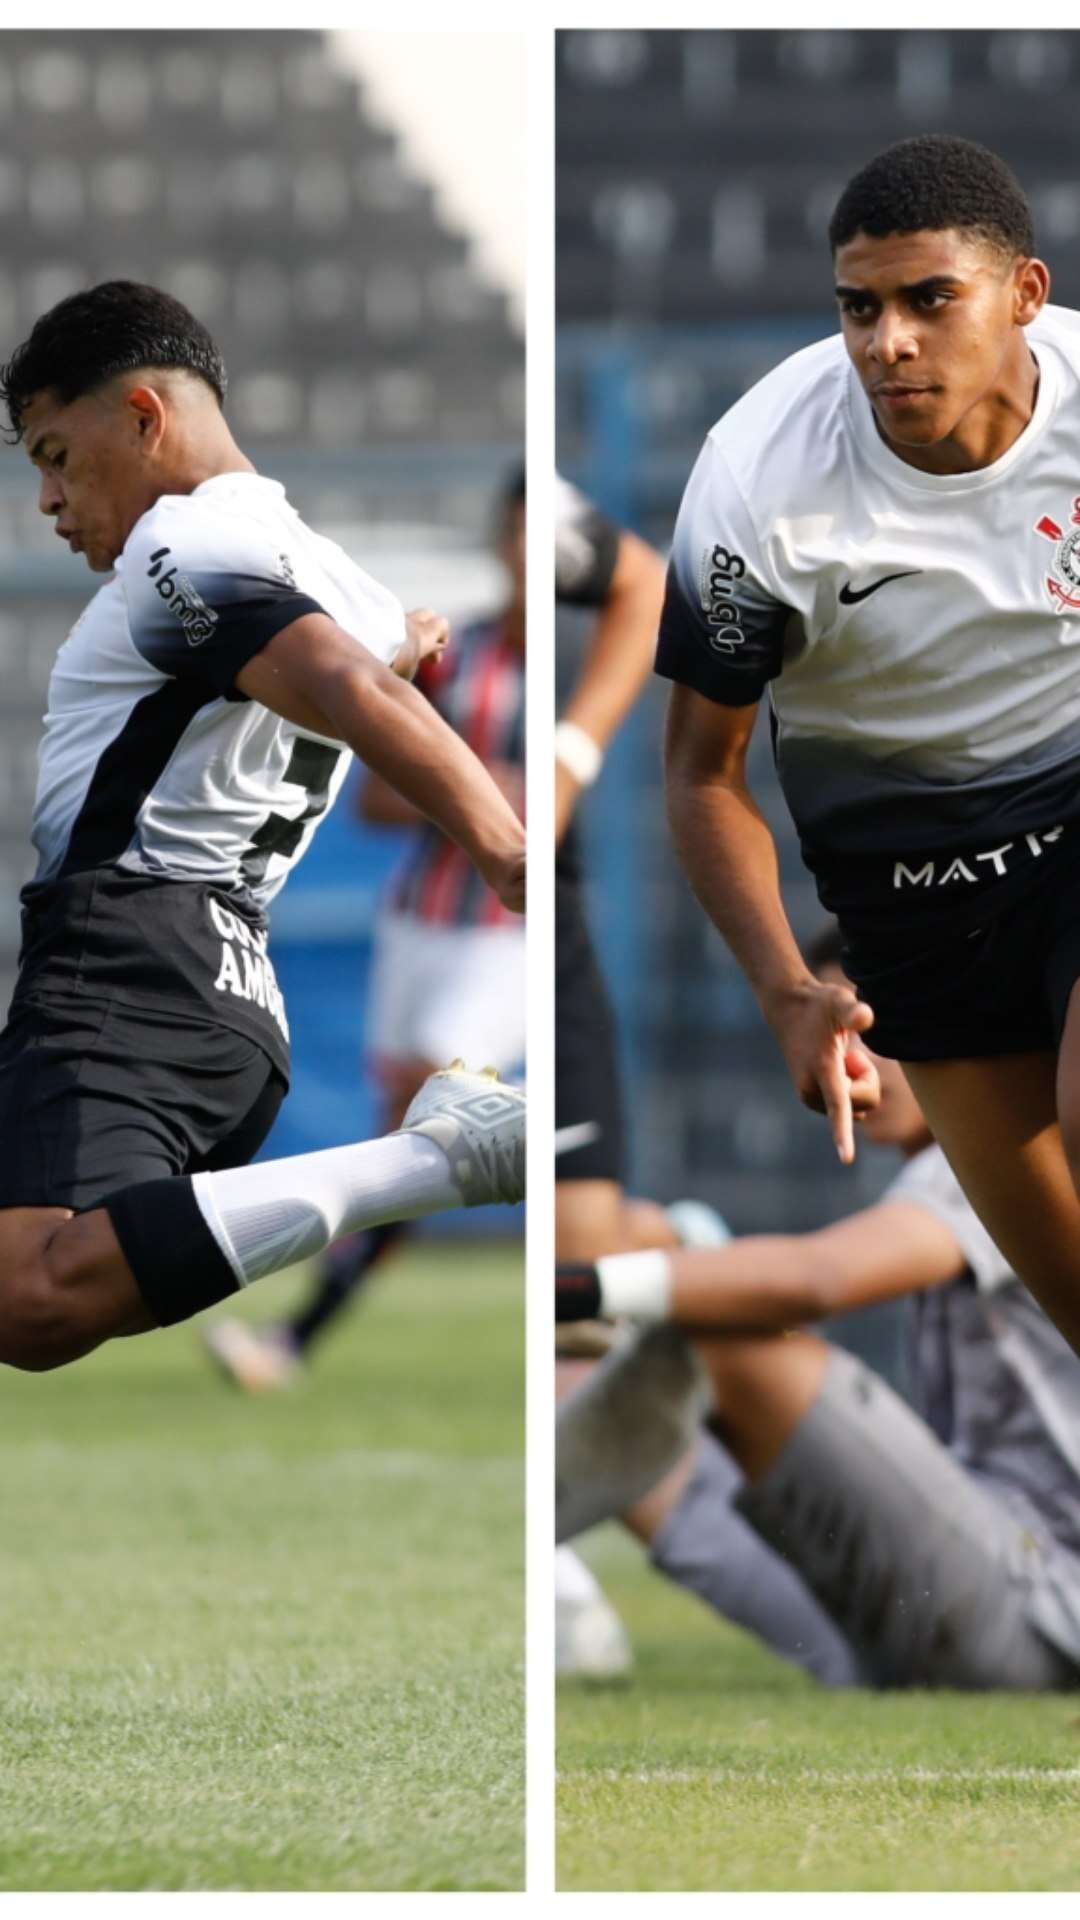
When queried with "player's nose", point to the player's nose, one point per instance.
{"points": [[891, 340], [50, 497]]}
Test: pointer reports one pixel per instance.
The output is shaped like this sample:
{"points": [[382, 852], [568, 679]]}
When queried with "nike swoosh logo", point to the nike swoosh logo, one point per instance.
{"points": [[849, 598]]}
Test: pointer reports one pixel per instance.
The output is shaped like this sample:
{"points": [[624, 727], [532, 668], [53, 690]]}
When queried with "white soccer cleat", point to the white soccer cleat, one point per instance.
{"points": [[479, 1122], [591, 1642], [589, 1339], [257, 1359]]}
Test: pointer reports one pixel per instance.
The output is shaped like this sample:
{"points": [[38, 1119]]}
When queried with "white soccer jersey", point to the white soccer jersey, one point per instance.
{"points": [[170, 808], [150, 761], [919, 634]]}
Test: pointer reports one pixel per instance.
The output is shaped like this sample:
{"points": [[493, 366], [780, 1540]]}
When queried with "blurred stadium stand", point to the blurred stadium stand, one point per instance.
{"points": [[696, 175], [372, 371]]}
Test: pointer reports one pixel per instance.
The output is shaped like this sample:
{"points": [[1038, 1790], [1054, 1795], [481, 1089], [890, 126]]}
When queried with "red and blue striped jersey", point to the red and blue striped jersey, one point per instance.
{"points": [[478, 686]]}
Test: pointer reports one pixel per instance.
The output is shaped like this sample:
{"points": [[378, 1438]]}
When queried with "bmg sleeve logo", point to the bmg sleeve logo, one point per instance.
{"points": [[182, 598], [720, 569]]}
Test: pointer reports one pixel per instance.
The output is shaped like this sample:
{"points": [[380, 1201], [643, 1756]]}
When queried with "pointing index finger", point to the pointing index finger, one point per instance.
{"points": [[836, 1092]]}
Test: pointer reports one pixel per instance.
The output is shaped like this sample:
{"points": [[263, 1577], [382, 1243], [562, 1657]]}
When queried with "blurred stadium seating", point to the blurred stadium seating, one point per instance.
{"points": [[696, 175], [697, 169], [372, 371]]}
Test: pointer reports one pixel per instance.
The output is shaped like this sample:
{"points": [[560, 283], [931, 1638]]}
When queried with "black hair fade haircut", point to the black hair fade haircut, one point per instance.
{"points": [[929, 184], [89, 338]]}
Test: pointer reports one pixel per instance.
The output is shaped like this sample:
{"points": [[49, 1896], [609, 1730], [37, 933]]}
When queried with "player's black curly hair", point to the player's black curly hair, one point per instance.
{"points": [[90, 337], [930, 183]]}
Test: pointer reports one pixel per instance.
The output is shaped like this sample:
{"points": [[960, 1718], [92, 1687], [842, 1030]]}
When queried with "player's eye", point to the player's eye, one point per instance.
{"points": [[932, 301], [857, 306]]}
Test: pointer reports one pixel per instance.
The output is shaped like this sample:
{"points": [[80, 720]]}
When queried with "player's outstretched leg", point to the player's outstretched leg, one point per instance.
{"points": [[158, 1252]]}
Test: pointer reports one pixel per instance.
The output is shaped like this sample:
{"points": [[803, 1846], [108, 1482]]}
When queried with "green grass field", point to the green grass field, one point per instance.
{"points": [[720, 1767], [274, 1643]]}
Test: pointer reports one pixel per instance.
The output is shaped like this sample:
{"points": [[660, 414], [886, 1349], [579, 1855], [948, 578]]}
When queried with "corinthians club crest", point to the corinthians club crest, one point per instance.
{"points": [[1064, 590]]}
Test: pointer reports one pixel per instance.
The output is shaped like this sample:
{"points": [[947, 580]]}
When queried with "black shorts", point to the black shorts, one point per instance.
{"points": [[586, 1069], [969, 992], [96, 1097]]}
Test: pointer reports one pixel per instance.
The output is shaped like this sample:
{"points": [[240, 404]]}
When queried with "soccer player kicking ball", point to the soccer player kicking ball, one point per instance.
{"points": [[199, 719], [885, 532]]}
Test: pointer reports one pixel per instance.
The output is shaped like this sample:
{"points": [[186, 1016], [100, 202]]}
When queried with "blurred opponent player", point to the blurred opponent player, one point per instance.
{"points": [[871, 1542], [619, 577], [198, 717], [449, 964], [610, 571], [884, 534]]}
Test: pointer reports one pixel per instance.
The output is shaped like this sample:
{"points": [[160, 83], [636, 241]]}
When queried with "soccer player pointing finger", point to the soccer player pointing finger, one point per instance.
{"points": [[884, 535]]}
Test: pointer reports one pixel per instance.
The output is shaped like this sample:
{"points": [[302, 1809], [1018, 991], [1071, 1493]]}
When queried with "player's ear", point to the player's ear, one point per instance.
{"points": [[146, 414], [1031, 289]]}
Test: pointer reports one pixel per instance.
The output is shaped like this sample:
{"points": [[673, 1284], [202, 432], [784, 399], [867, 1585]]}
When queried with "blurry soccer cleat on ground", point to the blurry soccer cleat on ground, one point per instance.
{"points": [[591, 1642], [696, 1224], [479, 1122], [256, 1359], [589, 1339]]}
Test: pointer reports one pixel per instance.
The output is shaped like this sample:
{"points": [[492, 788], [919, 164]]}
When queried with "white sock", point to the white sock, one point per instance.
{"points": [[266, 1216]]}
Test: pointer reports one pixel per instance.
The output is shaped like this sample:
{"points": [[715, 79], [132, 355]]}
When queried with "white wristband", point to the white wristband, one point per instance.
{"points": [[635, 1286], [578, 752]]}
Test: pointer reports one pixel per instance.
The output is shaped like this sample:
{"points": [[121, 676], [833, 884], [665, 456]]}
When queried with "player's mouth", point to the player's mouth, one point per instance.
{"points": [[892, 393], [72, 538]]}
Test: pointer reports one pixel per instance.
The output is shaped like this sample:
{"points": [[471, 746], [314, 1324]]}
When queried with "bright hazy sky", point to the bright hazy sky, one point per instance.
{"points": [[457, 100]]}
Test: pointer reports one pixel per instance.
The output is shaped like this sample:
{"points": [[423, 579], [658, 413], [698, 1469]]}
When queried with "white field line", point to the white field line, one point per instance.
{"points": [[822, 1776]]}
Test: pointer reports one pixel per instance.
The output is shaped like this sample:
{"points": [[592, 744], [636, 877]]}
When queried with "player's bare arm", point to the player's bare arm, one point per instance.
{"points": [[426, 635], [727, 851], [382, 805], [770, 1283], [319, 677], [617, 662]]}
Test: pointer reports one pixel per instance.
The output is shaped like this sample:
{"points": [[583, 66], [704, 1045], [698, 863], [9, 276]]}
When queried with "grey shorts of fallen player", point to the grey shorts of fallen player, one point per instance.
{"points": [[931, 1581]]}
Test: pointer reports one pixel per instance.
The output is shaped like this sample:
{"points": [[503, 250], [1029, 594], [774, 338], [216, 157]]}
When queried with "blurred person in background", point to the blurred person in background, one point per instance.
{"points": [[867, 1541], [617, 576], [449, 962], [621, 579]]}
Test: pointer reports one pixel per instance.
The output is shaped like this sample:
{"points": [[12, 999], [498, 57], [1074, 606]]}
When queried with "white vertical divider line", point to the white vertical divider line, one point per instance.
{"points": [[540, 1250]]}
